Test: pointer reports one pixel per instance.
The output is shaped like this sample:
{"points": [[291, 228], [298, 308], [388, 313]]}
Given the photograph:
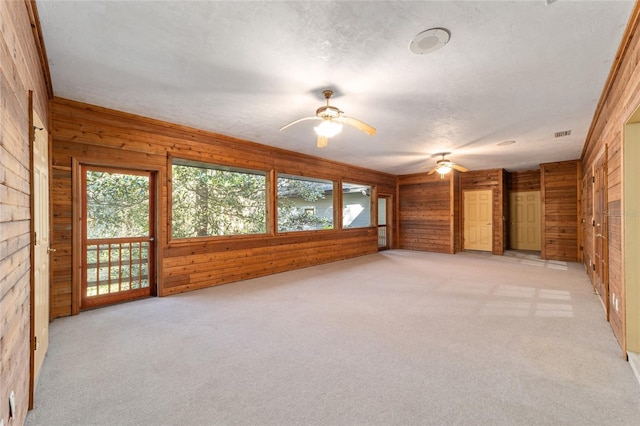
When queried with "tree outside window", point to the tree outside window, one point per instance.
{"points": [[304, 204], [212, 200]]}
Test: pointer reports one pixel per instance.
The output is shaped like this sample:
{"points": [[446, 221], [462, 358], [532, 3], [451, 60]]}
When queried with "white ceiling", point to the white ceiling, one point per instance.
{"points": [[513, 70]]}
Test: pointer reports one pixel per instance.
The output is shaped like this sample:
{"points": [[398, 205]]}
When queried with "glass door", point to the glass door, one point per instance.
{"points": [[383, 238]]}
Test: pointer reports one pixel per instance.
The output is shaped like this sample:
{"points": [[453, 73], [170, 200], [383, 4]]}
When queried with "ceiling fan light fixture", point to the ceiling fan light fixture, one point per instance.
{"points": [[328, 128], [444, 169]]}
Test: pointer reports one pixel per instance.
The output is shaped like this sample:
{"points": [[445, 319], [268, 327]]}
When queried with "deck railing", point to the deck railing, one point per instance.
{"points": [[382, 236], [116, 265]]}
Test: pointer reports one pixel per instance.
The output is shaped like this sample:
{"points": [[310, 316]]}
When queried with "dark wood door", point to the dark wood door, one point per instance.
{"points": [[118, 236]]}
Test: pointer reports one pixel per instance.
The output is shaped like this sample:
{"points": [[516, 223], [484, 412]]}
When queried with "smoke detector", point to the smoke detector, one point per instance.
{"points": [[429, 41]]}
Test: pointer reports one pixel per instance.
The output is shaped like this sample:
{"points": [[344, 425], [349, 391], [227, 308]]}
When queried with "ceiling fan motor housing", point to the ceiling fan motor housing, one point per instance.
{"points": [[328, 111]]}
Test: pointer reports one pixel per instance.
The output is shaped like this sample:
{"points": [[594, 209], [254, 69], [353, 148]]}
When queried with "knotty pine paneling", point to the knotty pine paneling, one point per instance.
{"points": [[489, 180], [559, 196], [194, 271], [524, 181], [619, 99], [425, 212], [90, 134], [20, 72]]}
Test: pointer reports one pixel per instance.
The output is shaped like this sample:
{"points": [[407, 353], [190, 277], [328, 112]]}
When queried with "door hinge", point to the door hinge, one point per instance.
{"points": [[593, 266], [593, 179], [35, 343]]}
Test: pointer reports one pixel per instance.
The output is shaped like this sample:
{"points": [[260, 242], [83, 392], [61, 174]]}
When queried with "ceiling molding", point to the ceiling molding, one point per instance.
{"points": [[34, 21]]}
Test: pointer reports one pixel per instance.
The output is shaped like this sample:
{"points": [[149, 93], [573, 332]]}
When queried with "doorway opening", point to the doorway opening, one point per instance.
{"points": [[118, 235], [384, 220], [630, 209]]}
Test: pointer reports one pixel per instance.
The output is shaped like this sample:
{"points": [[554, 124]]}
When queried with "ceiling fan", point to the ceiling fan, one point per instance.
{"points": [[332, 120], [444, 166]]}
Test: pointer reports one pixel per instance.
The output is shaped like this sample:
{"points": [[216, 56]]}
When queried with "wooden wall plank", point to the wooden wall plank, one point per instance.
{"points": [[619, 100], [524, 181], [559, 195], [20, 72], [425, 212], [430, 213], [90, 134]]}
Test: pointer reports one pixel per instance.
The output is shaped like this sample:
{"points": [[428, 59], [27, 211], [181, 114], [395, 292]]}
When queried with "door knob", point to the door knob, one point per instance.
{"points": [[50, 250]]}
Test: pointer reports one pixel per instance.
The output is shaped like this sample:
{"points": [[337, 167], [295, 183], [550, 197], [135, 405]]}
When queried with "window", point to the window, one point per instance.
{"points": [[304, 204], [356, 205], [212, 200]]}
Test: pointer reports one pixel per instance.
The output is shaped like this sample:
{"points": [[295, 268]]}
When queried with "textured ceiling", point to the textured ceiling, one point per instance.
{"points": [[513, 70]]}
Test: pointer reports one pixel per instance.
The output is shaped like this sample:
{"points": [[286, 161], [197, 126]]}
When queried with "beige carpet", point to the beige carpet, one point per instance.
{"points": [[394, 338]]}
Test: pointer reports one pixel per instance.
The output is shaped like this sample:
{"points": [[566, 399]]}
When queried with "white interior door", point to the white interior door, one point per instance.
{"points": [[42, 249], [478, 220]]}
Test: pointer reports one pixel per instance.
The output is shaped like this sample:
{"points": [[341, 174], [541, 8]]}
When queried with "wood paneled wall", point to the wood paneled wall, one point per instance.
{"points": [[493, 180], [620, 98], [20, 72], [560, 199], [426, 212], [430, 209], [93, 135], [524, 181]]}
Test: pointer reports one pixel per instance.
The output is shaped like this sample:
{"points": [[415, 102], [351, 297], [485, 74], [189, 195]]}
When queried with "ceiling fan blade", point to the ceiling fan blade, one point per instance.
{"points": [[298, 121], [323, 141], [459, 168], [360, 125], [432, 171]]}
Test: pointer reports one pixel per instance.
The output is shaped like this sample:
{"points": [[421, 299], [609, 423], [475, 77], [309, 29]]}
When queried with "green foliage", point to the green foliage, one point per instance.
{"points": [[205, 202], [208, 202], [117, 205], [298, 201]]}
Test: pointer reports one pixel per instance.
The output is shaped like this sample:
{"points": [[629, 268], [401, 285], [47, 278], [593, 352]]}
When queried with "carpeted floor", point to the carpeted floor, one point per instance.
{"points": [[394, 338]]}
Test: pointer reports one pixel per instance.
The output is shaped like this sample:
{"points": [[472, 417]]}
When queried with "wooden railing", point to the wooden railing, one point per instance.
{"points": [[382, 236], [116, 265]]}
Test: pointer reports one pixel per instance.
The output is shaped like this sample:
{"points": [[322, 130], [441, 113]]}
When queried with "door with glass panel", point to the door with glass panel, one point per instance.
{"points": [[383, 211], [118, 236]]}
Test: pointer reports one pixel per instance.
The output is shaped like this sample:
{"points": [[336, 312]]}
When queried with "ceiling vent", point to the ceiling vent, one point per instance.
{"points": [[563, 133]]}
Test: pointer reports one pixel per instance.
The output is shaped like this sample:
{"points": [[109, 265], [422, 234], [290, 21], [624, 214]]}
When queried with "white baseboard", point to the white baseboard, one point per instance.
{"points": [[634, 360]]}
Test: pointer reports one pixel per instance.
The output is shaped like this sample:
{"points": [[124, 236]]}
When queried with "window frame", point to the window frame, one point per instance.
{"points": [[185, 159], [335, 217], [373, 210]]}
